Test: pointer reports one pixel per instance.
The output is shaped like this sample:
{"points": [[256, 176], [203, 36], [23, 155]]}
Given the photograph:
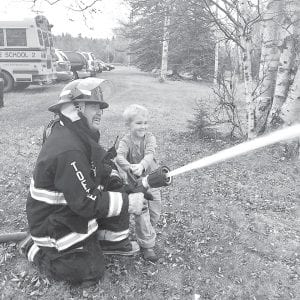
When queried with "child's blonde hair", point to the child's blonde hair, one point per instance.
{"points": [[132, 111]]}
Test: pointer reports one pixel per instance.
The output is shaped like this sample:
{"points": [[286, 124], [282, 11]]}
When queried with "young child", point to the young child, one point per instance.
{"points": [[135, 155]]}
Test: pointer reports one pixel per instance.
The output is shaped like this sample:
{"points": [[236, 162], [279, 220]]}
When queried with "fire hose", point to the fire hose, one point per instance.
{"points": [[158, 178], [163, 176], [12, 237]]}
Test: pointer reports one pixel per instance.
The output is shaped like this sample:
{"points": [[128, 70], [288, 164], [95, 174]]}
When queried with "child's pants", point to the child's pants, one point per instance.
{"points": [[146, 222]]}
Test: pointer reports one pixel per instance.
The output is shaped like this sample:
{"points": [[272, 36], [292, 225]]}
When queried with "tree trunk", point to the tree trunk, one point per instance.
{"points": [[247, 69], [165, 47], [239, 63], [216, 71], [282, 81], [286, 64], [290, 111], [248, 81], [268, 63]]}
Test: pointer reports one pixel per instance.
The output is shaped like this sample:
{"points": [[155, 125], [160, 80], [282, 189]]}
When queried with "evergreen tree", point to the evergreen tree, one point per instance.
{"points": [[190, 44]]}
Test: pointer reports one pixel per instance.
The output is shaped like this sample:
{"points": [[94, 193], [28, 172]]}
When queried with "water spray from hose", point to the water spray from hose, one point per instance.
{"points": [[272, 138]]}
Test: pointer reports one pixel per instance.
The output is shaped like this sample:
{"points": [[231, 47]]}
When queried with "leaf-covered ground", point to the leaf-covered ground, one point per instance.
{"points": [[230, 231]]}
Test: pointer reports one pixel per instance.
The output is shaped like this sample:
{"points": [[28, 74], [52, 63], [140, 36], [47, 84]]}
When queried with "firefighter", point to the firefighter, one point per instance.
{"points": [[76, 209]]}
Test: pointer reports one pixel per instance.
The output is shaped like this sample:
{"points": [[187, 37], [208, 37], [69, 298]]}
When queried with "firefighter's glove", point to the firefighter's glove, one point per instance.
{"points": [[137, 203], [114, 183], [107, 169], [111, 178], [138, 187]]}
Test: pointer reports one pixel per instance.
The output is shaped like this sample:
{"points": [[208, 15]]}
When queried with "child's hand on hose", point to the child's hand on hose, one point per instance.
{"points": [[137, 169]]}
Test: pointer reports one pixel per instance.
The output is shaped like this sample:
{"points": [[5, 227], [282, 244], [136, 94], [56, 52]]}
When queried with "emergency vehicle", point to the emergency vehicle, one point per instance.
{"points": [[26, 48]]}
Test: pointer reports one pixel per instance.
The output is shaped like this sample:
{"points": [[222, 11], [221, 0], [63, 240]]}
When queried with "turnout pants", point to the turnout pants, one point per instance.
{"points": [[83, 261]]}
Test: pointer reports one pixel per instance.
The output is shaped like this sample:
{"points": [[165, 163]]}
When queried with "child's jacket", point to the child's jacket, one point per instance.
{"points": [[131, 153]]}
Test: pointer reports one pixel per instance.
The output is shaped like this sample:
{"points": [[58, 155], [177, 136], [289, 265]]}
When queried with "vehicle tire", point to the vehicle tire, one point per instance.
{"points": [[75, 75], [22, 85], [8, 81]]}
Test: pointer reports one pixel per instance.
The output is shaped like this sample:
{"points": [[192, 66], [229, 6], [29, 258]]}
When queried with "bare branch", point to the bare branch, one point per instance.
{"points": [[50, 2], [84, 6], [221, 9], [78, 6], [222, 26]]}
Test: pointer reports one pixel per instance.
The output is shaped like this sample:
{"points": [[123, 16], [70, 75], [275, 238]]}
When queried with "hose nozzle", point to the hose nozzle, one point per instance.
{"points": [[159, 177]]}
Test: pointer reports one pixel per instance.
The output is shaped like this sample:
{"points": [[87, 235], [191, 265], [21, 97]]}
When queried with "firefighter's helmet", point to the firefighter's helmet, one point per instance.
{"points": [[91, 90]]}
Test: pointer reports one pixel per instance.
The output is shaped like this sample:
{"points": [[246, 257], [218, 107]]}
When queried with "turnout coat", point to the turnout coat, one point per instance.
{"points": [[68, 200]]}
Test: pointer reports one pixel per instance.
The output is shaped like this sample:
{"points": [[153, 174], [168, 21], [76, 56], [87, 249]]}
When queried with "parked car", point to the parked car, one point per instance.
{"points": [[89, 56], [79, 65], [99, 66], [105, 66], [62, 66], [109, 67]]}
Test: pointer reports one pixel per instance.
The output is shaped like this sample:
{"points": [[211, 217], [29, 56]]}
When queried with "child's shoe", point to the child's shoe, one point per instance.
{"points": [[149, 254]]}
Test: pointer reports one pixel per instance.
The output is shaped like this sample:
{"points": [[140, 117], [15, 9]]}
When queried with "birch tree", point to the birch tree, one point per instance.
{"points": [[270, 96], [216, 71], [290, 110], [286, 61], [165, 43], [245, 36], [287, 108], [269, 62], [236, 22]]}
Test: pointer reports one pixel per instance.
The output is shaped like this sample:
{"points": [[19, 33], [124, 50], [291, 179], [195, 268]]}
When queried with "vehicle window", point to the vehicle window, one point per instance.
{"points": [[1, 37], [86, 55], [16, 37], [73, 57], [40, 38], [64, 56], [45, 37], [61, 56], [81, 57]]}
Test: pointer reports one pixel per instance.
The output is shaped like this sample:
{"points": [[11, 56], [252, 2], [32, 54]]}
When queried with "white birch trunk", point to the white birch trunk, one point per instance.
{"points": [[270, 54], [248, 81], [216, 51], [216, 73], [165, 47], [239, 63], [286, 63], [282, 81], [247, 70], [290, 111]]}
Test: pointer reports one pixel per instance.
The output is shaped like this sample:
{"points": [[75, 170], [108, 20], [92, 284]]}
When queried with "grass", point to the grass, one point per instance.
{"points": [[230, 231]]}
